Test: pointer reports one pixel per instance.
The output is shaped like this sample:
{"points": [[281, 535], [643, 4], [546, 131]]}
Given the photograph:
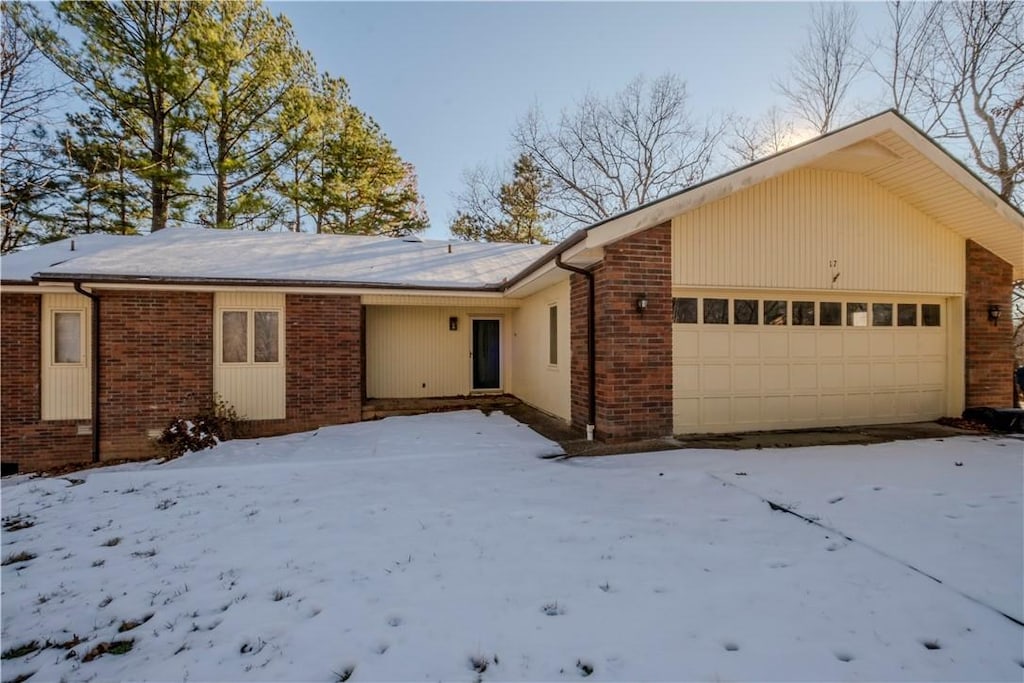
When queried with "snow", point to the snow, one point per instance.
{"points": [[193, 253], [20, 266], [410, 548]]}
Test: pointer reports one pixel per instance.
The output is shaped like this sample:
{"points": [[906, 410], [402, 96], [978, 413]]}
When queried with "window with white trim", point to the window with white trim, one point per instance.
{"points": [[68, 338], [250, 336]]}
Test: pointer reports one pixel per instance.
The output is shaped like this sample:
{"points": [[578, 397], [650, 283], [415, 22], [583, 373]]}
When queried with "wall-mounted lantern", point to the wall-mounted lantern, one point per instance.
{"points": [[994, 311], [453, 323], [641, 304]]}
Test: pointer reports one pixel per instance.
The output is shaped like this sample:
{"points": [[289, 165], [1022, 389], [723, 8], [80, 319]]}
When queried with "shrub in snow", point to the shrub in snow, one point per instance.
{"points": [[203, 431]]}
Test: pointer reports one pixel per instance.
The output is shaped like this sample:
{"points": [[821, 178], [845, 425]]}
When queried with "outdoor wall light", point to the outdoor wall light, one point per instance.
{"points": [[993, 314], [641, 304], [453, 323]]}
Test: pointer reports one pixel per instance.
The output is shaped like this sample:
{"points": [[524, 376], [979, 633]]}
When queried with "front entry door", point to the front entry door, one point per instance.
{"points": [[486, 354]]}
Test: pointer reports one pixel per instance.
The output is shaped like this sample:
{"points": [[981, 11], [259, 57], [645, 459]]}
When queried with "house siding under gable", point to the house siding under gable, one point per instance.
{"points": [[815, 229]]}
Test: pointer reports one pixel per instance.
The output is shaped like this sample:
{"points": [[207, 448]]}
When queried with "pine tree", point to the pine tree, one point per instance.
{"points": [[512, 211], [254, 94], [347, 177], [136, 65], [100, 194]]}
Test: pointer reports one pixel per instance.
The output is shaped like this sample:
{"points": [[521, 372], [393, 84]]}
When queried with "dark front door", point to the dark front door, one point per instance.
{"points": [[486, 354]]}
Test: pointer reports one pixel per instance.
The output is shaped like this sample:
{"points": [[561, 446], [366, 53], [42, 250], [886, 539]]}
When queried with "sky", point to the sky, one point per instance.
{"points": [[447, 81]]}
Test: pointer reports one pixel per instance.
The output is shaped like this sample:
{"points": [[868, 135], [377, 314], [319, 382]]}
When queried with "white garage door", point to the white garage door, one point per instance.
{"points": [[782, 361]]}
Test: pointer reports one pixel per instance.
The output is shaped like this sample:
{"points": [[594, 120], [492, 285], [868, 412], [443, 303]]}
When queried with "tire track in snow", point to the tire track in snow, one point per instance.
{"points": [[878, 551]]}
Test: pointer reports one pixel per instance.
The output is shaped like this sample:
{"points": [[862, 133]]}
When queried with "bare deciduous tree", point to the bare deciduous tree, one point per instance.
{"points": [[752, 139], [27, 167], [608, 155], [824, 67], [957, 70]]}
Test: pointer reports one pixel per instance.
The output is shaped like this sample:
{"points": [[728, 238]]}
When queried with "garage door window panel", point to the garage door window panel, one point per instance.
{"points": [[930, 315], [831, 313], [906, 315], [856, 314], [775, 312], [881, 315], [684, 310], [716, 311], [745, 311], [803, 313]]}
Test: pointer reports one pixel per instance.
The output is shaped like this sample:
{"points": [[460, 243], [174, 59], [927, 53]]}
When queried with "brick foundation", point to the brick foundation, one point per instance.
{"points": [[988, 348], [634, 351], [26, 440]]}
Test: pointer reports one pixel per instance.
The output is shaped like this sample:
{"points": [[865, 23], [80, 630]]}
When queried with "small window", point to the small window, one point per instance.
{"points": [[684, 310], [744, 311], [265, 342], [830, 313], [881, 315], [857, 315], [775, 312], [906, 315], [803, 312], [553, 335], [235, 337], [67, 337], [930, 316], [716, 311]]}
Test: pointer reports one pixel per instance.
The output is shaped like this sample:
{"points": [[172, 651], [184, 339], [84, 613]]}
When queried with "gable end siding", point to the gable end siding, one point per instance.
{"points": [[804, 228]]}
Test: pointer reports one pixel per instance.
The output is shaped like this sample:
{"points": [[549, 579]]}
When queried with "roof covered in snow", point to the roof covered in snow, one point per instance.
{"points": [[20, 266], [215, 256]]}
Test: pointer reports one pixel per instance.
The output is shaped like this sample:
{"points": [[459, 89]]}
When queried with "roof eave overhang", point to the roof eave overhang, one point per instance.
{"points": [[336, 286]]}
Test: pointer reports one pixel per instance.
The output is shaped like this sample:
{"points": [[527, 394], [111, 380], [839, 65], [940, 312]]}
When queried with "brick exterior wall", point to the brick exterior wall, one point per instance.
{"points": [[156, 351], [634, 351], [323, 342], [26, 440], [988, 348]]}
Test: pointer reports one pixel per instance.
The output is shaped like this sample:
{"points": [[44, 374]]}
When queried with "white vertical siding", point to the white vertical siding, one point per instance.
{"points": [[411, 353], [66, 388], [256, 390], [533, 379], [783, 233]]}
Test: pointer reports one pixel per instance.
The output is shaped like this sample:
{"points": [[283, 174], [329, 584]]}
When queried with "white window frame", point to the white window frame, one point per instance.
{"points": [[83, 333], [250, 336]]}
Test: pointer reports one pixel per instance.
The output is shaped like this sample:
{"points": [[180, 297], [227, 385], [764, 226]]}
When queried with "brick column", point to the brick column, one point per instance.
{"points": [[634, 351], [156, 351], [988, 348], [579, 381], [325, 365]]}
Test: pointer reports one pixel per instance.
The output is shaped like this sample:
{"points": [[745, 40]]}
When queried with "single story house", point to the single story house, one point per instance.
{"points": [[861, 277]]}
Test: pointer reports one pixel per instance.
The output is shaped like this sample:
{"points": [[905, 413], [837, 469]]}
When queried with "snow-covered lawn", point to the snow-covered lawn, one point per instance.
{"points": [[423, 548]]}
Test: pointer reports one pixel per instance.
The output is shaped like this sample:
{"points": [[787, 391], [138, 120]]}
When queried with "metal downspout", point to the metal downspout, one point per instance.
{"points": [[95, 352], [591, 344]]}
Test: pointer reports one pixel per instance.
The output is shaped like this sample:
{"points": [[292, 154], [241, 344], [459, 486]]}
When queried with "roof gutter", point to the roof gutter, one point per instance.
{"points": [[95, 352], [556, 253], [591, 345], [247, 282]]}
